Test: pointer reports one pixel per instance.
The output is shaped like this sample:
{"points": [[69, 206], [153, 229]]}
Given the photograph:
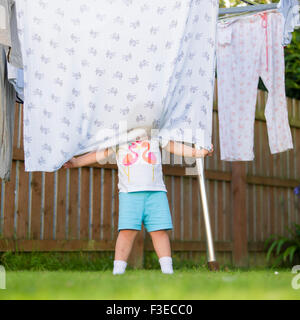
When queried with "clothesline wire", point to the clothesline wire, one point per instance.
{"points": [[248, 2], [249, 8]]}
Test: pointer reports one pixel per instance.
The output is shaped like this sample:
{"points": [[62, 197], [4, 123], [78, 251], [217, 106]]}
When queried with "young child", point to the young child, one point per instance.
{"points": [[142, 195]]}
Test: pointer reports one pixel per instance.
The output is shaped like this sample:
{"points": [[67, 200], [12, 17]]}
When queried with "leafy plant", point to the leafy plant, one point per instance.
{"points": [[292, 67], [285, 247]]}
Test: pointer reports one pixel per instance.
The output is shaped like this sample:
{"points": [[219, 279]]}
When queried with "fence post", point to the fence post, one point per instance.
{"points": [[240, 237]]}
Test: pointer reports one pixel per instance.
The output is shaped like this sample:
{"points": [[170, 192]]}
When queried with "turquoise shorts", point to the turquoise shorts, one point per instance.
{"points": [[150, 208]]}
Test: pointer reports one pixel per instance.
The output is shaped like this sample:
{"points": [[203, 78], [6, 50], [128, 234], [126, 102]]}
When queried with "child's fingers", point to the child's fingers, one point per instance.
{"points": [[206, 153], [211, 151], [68, 165], [203, 153]]}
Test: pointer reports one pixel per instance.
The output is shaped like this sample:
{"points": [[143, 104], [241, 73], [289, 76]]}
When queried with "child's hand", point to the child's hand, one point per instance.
{"points": [[204, 153], [71, 164]]}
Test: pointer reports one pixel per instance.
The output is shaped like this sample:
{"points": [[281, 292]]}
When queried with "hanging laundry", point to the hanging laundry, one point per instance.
{"points": [[5, 18], [90, 67], [16, 78], [9, 33], [7, 114], [14, 55], [290, 11], [7, 93], [250, 47]]}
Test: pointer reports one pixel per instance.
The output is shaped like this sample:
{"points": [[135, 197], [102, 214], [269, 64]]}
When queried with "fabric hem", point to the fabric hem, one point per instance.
{"points": [[283, 150], [134, 229], [143, 189], [160, 229]]}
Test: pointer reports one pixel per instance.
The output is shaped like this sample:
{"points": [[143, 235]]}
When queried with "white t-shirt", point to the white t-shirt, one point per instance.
{"points": [[140, 166]]}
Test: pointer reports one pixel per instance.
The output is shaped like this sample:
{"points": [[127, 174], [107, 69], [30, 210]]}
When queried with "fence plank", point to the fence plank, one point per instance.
{"points": [[55, 245], [168, 183], [240, 242], [202, 222], [220, 234], [212, 208], [36, 189], [9, 205], [291, 210], [187, 209], [61, 204], [21, 128], [259, 224], [279, 206], [265, 150], [177, 208], [73, 205], [116, 207], [250, 207], [84, 203], [23, 214], [229, 221], [272, 211], [195, 210], [96, 204], [276, 215], [286, 212], [136, 258], [16, 125], [107, 205], [49, 206], [274, 182], [265, 212]]}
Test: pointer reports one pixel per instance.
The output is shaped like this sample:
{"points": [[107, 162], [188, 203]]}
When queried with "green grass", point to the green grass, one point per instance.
{"points": [[82, 261], [149, 284], [82, 275]]}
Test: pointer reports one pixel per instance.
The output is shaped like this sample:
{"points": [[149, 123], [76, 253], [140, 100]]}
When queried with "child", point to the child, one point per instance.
{"points": [[142, 195]]}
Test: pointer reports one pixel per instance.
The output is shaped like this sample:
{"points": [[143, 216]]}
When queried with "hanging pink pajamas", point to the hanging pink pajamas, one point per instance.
{"points": [[248, 48]]}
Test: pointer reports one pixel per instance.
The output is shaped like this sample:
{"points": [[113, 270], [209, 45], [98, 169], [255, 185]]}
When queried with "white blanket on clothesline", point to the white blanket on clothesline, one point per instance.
{"points": [[95, 69]]}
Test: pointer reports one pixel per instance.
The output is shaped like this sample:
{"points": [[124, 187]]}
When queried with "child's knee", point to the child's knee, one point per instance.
{"points": [[159, 233], [129, 234]]}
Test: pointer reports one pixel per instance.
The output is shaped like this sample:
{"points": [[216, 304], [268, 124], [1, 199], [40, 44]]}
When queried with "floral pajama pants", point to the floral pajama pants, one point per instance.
{"points": [[248, 48]]}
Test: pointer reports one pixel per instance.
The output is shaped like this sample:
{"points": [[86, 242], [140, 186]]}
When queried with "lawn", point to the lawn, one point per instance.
{"points": [[184, 284]]}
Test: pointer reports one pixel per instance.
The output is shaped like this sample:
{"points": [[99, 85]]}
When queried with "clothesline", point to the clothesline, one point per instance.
{"points": [[249, 8], [261, 7]]}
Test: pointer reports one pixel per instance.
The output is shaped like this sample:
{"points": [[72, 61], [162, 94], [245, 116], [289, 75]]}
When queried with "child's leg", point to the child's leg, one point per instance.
{"points": [[161, 244], [124, 244], [123, 248]]}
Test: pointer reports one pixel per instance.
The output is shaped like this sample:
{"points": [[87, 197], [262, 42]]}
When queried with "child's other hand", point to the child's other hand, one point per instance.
{"points": [[204, 153], [71, 164]]}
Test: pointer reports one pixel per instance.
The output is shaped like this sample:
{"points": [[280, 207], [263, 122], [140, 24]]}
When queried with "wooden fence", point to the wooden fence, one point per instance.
{"points": [[77, 209]]}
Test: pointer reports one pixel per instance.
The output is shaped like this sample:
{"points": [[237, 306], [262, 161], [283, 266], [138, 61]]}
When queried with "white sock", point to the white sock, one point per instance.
{"points": [[166, 265], [119, 267]]}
